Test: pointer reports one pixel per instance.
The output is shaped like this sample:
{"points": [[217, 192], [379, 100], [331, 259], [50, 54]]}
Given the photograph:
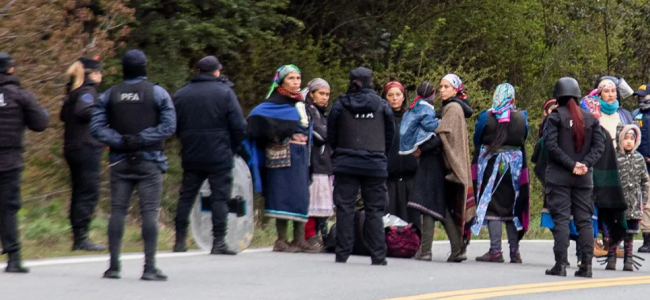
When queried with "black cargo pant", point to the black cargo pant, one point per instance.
{"points": [[147, 178], [9, 206], [220, 185], [374, 194], [564, 201], [84, 166]]}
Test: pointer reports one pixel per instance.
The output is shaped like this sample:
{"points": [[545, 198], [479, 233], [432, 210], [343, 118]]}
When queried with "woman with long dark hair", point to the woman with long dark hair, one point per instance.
{"points": [[575, 143], [501, 181]]}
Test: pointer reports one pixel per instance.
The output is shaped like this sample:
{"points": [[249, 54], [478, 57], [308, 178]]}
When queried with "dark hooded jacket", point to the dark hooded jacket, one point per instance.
{"points": [[361, 99], [18, 110]]}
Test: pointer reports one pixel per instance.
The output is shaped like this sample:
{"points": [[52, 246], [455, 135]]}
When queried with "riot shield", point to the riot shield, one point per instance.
{"points": [[240, 228]]}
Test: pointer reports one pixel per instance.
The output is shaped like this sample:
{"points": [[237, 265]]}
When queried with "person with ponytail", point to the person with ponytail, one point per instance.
{"points": [[575, 143], [82, 152], [401, 168], [501, 180]]}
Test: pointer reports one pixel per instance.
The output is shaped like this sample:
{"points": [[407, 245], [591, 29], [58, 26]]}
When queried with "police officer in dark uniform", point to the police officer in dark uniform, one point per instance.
{"points": [[360, 129], [133, 118], [82, 152], [574, 142], [18, 109], [211, 127]]}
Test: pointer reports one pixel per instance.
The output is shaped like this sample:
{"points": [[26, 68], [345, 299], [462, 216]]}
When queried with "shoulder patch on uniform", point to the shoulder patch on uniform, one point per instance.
{"points": [[87, 98]]}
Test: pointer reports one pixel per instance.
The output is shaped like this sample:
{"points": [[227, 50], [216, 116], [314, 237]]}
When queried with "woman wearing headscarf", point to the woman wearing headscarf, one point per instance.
{"points": [[401, 168], [501, 181], [447, 152], [82, 152], [280, 127], [321, 205], [602, 102], [575, 143], [611, 113]]}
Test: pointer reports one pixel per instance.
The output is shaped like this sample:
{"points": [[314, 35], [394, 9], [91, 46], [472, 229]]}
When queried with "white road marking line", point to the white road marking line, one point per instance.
{"points": [[135, 256]]}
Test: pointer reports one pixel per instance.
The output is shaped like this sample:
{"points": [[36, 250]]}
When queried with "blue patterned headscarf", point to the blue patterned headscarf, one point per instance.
{"points": [[503, 102], [280, 74]]}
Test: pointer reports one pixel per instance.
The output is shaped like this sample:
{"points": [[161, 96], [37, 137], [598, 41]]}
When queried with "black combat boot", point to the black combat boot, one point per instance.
{"points": [[181, 237], [83, 243], [645, 248], [585, 267], [219, 247], [154, 275], [14, 264], [559, 269]]}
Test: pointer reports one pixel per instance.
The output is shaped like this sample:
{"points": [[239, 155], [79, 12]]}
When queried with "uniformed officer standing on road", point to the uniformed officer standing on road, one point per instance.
{"points": [[134, 118], [360, 129], [82, 152], [211, 127], [575, 143], [18, 109]]}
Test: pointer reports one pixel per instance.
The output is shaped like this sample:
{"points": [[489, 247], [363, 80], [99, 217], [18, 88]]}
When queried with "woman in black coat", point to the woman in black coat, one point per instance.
{"points": [[401, 168], [82, 152], [321, 189], [575, 143]]}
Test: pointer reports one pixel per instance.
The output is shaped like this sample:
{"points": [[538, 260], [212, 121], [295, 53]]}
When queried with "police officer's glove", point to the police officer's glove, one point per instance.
{"points": [[133, 142]]}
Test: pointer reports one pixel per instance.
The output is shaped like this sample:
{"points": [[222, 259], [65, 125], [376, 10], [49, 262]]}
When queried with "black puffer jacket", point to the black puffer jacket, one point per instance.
{"points": [[18, 109], [210, 123]]}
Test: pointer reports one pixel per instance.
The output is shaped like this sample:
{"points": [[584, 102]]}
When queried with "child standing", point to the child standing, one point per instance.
{"points": [[634, 179]]}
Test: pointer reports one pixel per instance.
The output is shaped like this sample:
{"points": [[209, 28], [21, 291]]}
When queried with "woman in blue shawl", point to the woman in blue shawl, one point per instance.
{"points": [[281, 131]]}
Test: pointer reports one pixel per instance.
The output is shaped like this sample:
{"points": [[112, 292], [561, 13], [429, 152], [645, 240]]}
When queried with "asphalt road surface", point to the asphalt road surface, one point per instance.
{"points": [[262, 274]]}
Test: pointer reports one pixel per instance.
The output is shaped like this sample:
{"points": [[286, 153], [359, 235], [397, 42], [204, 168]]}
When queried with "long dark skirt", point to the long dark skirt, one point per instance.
{"points": [[287, 189], [399, 192], [428, 194]]}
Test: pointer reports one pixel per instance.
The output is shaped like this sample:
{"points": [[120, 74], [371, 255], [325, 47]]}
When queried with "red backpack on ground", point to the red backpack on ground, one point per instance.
{"points": [[402, 242]]}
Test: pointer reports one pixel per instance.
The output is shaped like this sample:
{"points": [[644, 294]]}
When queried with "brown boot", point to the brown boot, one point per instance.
{"points": [[424, 256], [599, 251], [299, 239], [284, 246]]}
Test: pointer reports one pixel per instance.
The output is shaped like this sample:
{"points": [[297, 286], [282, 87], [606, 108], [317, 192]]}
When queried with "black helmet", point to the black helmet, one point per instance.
{"points": [[567, 87]]}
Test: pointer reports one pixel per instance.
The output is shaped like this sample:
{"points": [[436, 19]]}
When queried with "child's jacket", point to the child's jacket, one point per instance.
{"points": [[418, 125], [633, 173]]}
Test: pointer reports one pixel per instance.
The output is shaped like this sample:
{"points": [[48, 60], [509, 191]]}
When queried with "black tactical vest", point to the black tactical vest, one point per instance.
{"points": [[362, 131], [12, 123], [132, 108], [76, 132], [565, 134]]}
